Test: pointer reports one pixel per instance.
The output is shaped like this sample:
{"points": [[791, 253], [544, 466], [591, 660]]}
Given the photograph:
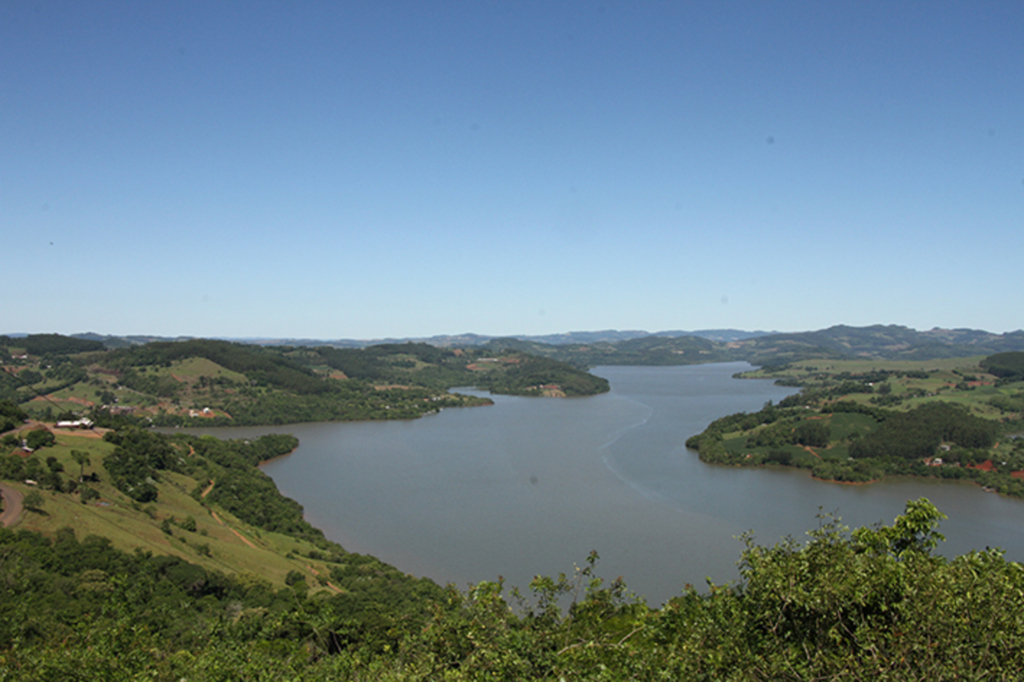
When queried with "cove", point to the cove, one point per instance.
{"points": [[530, 486]]}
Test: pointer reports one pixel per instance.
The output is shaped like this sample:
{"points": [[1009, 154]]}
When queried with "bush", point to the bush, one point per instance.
{"points": [[33, 501], [40, 438], [782, 457]]}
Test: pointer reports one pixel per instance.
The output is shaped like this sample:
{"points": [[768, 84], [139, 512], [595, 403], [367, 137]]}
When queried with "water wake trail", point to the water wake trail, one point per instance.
{"points": [[607, 457]]}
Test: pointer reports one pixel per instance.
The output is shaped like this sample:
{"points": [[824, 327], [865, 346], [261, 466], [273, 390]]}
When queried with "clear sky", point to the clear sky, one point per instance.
{"points": [[362, 170]]}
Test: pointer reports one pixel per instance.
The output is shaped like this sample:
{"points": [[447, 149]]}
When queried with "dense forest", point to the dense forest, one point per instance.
{"points": [[1007, 366]]}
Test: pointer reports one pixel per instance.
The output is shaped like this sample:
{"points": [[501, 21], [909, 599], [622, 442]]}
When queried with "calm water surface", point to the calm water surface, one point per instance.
{"points": [[532, 485]]}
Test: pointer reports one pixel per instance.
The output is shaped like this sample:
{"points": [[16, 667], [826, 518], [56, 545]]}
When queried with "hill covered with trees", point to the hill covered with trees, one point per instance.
{"points": [[211, 382], [859, 421]]}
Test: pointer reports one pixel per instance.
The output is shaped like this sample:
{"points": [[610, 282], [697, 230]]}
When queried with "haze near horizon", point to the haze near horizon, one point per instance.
{"points": [[351, 170]]}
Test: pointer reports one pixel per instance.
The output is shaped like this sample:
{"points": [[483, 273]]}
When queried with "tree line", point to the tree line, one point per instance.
{"points": [[874, 603]]}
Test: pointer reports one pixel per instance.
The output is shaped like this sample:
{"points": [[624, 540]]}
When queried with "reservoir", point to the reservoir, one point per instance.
{"points": [[530, 486]]}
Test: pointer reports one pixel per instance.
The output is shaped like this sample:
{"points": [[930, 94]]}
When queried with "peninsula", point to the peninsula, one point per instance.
{"points": [[857, 421]]}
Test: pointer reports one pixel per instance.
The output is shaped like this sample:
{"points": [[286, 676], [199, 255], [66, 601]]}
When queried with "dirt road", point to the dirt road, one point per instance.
{"points": [[12, 506]]}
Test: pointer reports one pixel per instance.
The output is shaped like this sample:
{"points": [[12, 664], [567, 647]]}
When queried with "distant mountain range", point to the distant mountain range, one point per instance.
{"points": [[444, 340], [689, 347]]}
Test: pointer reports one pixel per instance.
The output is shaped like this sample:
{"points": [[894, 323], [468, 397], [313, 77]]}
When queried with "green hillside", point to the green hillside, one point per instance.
{"points": [[841, 342], [209, 382], [197, 498], [860, 420]]}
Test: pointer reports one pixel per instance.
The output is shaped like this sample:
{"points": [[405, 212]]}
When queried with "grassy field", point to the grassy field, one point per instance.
{"points": [[860, 366], [217, 542], [190, 370], [957, 380]]}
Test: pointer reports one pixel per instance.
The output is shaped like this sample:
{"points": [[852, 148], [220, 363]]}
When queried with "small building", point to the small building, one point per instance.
{"points": [[76, 424]]}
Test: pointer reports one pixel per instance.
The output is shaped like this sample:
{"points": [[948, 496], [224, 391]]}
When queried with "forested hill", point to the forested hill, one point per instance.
{"points": [[612, 347], [863, 420], [219, 382], [647, 350], [890, 342]]}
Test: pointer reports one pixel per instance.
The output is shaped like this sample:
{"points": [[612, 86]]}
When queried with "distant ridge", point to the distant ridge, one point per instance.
{"points": [[723, 335], [443, 340], [676, 347]]}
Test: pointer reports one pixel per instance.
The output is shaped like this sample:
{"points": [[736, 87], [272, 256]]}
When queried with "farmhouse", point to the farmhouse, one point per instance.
{"points": [[76, 424]]}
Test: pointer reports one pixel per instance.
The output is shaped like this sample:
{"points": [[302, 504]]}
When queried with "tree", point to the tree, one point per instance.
{"points": [[82, 459], [40, 438], [811, 433], [33, 501]]}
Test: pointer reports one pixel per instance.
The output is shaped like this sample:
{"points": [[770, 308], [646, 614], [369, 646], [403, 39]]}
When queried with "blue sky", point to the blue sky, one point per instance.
{"points": [[364, 170]]}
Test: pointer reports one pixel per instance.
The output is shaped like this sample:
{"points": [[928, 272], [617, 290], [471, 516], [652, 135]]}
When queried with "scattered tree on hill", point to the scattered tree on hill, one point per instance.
{"points": [[81, 458], [33, 501]]}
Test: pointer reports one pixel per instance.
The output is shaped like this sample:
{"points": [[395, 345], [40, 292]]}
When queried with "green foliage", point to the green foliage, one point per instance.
{"points": [[243, 489], [871, 604], [40, 438], [163, 386], [1008, 403], [54, 344], [527, 375], [136, 461], [1006, 365], [81, 459], [33, 500], [918, 433], [813, 433], [262, 365], [27, 377]]}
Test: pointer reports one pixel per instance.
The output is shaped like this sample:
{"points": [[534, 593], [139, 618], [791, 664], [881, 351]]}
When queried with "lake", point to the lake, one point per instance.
{"points": [[531, 485]]}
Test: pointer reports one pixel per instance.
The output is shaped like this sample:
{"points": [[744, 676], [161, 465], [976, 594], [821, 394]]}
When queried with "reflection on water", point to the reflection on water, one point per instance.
{"points": [[532, 485]]}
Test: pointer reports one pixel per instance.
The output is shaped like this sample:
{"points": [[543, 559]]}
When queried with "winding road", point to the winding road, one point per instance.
{"points": [[12, 506]]}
